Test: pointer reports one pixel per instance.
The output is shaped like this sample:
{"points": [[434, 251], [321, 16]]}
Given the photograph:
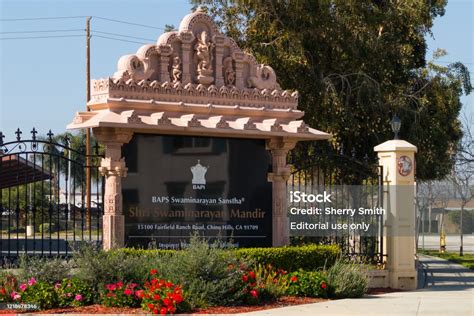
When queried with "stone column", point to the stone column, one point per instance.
{"points": [[398, 160], [219, 42], [165, 52], [279, 177], [239, 69], [186, 39], [113, 168]]}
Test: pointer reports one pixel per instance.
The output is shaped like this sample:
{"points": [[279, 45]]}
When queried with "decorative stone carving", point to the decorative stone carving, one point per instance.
{"points": [[176, 72], [131, 67], [265, 78], [204, 49], [229, 72]]}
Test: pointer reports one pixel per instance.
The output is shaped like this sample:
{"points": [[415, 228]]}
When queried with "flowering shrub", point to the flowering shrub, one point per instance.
{"points": [[73, 292], [42, 294], [120, 295], [161, 297], [263, 284], [8, 284], [308, 283]]}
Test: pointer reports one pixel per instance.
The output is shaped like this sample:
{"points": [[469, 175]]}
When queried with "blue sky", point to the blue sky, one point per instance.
{"points": [[42, 81]]}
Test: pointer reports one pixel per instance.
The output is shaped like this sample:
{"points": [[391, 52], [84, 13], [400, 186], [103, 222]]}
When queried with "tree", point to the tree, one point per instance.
{"points": [[462, 176], [356, 64]]}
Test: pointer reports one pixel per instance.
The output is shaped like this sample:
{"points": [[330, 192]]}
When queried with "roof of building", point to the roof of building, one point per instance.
{"points": [[195, 81]]}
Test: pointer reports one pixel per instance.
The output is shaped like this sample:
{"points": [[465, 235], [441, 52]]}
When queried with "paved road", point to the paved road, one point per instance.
{"points": [[449, 290], [452, 242]]}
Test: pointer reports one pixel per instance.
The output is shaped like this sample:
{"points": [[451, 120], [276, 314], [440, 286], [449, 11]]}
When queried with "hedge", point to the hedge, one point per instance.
{"points": [[291, 258], [309, 257]]}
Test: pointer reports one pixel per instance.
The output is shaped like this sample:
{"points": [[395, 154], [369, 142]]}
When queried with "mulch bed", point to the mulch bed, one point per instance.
{"points": [[99, 309], [281, 302]]}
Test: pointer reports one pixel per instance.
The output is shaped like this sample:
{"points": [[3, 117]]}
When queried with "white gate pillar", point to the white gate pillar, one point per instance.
{"points": [[397, 157]]}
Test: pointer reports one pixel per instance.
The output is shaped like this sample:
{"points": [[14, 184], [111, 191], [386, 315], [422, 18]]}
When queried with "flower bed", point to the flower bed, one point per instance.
{"points": [[200, 278]]}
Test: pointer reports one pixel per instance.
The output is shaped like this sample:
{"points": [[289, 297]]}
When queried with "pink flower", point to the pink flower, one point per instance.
{"points": [[32, 281], [23, 286], [69, 294], [119, 284], [57, 285], [254, 293], [78, 297], [15, 296], [128, 291], [111, 287]]}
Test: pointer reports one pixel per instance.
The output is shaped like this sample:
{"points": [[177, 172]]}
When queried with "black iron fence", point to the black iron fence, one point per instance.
{"points": [[44, 204], [352, 184]]}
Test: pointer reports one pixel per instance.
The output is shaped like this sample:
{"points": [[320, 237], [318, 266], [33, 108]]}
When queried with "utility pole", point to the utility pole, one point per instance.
{"points": [[88, 131]]}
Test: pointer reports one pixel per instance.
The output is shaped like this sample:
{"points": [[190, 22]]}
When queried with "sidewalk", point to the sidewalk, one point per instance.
{"points": [[448, 290]]}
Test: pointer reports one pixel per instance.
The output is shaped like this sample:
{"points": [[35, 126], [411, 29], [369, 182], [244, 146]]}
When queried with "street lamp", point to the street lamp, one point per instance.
{"points": [[396, 123]]}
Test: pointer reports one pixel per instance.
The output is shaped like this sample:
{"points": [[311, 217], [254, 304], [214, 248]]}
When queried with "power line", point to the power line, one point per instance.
{"points": [[35, 37], [118, 39], [43, 18], [451, 62], [116, 34], [129, 23], [45, 31]]}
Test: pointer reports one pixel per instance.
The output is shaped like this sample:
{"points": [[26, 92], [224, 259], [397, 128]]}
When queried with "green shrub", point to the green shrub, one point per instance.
{"points": [[120, 295], [209, 275], [293, 258], [42, 294], [347, 280], [263, 284], [97, 267], [73, 292], [46, 228], [50, 270], [308, 284], [8, 284]]}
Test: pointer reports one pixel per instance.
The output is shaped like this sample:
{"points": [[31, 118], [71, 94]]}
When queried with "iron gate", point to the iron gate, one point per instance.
{"points": [[354, 183], [45, 207]]}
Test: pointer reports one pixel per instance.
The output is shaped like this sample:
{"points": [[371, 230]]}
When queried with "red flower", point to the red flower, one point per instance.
{"points": [[3, 291], [156, 297], [251, 275], [254, 293], [323, 285], [111, 287], [150, 306], [253, 284], [128, 291], [119, 284], [245, 278], [177, 298], [167, 302], [163, 311], [153, 271], [294, 279], [155, 311], [139, 294]]}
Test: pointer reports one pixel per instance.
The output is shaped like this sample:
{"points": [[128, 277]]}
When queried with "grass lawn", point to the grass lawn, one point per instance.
{"points": [[467, 260]]}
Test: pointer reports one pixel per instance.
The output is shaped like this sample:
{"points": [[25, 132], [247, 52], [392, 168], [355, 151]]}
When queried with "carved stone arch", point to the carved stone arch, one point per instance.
{"points": [[195, 18]]}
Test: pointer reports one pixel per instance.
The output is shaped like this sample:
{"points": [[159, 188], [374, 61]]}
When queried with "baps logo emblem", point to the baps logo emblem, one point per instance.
{"points": [[199, 176]]}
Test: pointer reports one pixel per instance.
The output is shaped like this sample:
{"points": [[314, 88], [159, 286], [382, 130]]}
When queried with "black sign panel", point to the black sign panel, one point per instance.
{"points": [[179, 185]]}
